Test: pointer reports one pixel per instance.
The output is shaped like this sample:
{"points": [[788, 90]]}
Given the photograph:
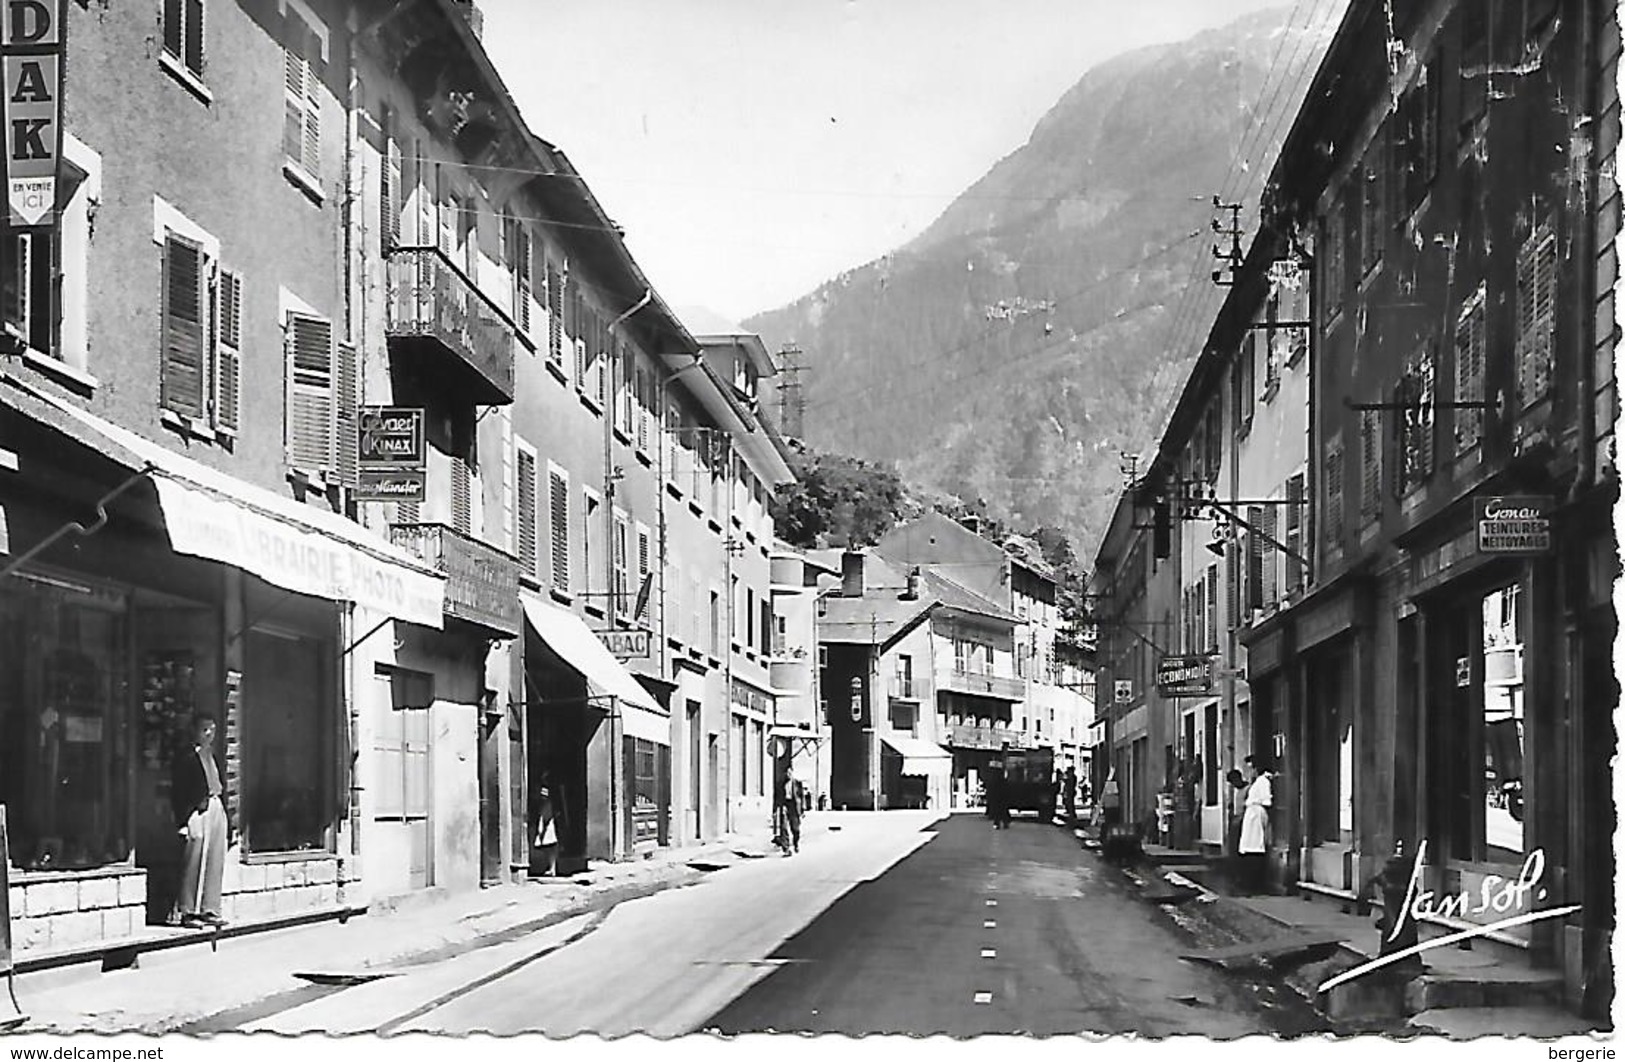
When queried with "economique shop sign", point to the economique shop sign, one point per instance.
{"points": [[31, 38], [1513, 523]]}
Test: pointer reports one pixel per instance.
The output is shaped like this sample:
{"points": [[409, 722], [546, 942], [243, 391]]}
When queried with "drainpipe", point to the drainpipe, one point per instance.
{"points": [[619, 843]]}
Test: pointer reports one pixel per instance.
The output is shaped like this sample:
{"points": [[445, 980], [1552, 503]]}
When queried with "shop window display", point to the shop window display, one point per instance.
{"points": [[1502, 731], [287, 744], [64, 740]]}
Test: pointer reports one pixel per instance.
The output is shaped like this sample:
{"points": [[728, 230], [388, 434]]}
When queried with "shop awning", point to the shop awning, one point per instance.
{"points": [[576, 645], [920, 756], [218, 517]]}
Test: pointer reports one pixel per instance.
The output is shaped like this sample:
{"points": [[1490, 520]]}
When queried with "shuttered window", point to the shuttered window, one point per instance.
{"points": [[312, 381], [183, 33], [623, 596], [1414, 395], [1373, 206], [1536, 324], [521, 251], [1211, 582], [1470, 372], [555, 315], [1334, 511], [1232, 578], [1256, 556], [1293, 539], [525, 544], [391, 184], [559, 527], [302, 118], [643, 574], [228, 375], [1370, 463], [1270, 592], [347, 456], [462, 496], [1334, 234], [186, 327]]}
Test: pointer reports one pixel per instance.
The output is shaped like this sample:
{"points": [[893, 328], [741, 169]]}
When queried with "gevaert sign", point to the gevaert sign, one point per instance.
{"points": [[391, 452], [31, 72], [1514, 523]]}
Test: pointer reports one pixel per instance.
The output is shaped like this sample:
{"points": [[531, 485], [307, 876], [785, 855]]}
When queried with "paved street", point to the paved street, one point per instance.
{"points": [[899, 922]]}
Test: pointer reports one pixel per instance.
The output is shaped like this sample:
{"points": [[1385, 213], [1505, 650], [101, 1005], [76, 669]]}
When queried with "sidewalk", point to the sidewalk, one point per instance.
{"points": [[172, 989], [1488, 990]]}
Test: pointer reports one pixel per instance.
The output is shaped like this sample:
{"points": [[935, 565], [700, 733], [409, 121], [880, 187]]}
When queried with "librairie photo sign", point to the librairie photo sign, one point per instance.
{"points": [[1513, 523], [393, 458], [31, 38]]}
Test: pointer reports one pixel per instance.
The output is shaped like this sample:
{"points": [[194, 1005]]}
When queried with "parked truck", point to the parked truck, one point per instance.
{"points": [[1029, 780]]}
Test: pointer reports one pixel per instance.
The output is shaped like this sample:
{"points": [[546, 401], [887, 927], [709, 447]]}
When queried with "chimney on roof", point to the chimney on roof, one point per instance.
{"points": [[852, 573], [912, 593], [471, 12], [971, 522]]}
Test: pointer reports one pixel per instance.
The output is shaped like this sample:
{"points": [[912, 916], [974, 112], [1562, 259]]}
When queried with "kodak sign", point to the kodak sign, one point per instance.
{"points": [[31, 73]]}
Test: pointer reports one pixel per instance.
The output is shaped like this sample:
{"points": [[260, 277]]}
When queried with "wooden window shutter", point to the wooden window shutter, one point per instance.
{"points": [[521, 301], [462, 496], [311, 412], [228, 374], [389, 199], [525, 545], [1470, 372], [1370, 462], [1334, 494], [1255, 559], [185, 327], [1294, 532], [347, 399], [555, 315], [623, 600], [1212, 583], [302, 130], [1536, 300], [1233, 595], [1271, 588], [559, 528]]}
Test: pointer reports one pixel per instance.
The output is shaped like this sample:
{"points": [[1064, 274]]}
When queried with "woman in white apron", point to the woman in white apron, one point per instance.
{"points": [[1255, 825]]}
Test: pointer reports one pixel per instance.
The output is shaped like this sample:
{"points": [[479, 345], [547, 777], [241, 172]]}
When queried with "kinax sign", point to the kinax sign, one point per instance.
{"points": [[31, 45]]}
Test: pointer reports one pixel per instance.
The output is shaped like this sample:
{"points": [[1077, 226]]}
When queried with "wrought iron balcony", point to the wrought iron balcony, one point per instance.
{"points": [[968, 736], [979, 685], [482, 582], [435, 310]]}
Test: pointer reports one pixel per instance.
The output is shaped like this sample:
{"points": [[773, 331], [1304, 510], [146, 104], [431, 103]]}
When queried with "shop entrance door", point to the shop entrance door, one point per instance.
{"points": [[401, 757], [695, 766]]}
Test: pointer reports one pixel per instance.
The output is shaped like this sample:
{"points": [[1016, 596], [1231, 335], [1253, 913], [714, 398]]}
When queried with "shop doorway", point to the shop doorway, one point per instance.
{"points": [[1478, 736], [695, 767], [401, 756]]}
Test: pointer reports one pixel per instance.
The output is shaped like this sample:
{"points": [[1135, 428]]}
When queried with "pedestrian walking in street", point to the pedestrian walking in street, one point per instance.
{"points": [[200, 816], [1069, 795], [790, 804], [547, 832], [1255, 824], [998, 798]]}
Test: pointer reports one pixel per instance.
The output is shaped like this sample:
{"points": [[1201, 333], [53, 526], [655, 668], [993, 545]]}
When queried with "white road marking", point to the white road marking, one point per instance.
{"points": [[989, 924], [983, 997], [993, 903], [989, 953]]}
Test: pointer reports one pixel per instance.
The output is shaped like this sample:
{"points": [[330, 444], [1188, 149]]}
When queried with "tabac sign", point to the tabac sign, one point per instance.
{"points": [[31, 69], [1514, 523]]}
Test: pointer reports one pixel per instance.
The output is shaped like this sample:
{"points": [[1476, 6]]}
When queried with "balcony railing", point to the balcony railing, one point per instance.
{"points": [[431, 302], [482, 582], [968, 736], [981, 685]]}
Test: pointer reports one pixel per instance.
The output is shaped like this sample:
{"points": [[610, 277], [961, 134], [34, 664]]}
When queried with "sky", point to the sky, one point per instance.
{"points": [[753, 149]]}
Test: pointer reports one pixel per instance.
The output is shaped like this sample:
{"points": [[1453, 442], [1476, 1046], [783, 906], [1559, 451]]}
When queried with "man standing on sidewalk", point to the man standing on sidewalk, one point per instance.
{"points": [[195, 795], [791, 801]]}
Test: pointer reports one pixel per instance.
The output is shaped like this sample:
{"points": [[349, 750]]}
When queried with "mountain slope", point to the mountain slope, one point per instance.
{"points": [[1042, 324]]}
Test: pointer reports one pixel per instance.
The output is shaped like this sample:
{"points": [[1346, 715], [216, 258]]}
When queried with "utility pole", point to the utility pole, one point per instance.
{"points": [[1229, 258], [792, 402]]}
